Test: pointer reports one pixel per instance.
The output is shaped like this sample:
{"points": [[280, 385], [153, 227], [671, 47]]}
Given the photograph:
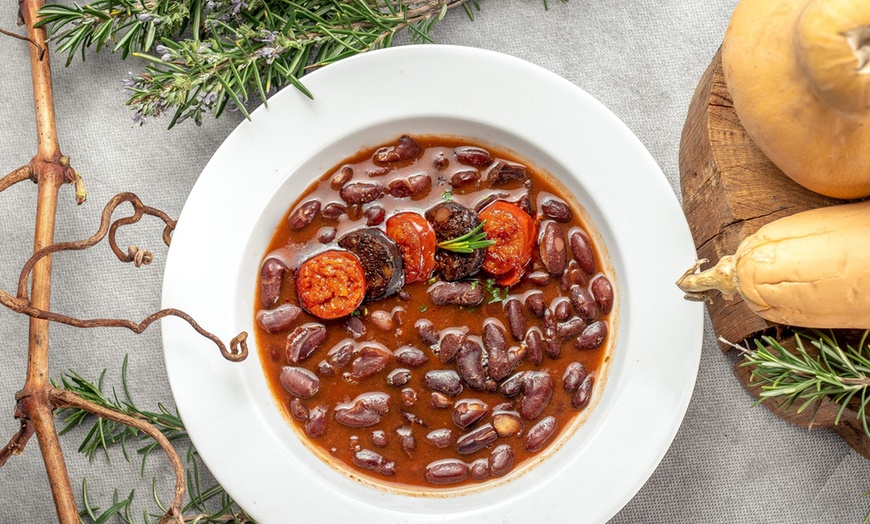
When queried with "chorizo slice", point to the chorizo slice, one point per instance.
{"points": [[331, 284]]}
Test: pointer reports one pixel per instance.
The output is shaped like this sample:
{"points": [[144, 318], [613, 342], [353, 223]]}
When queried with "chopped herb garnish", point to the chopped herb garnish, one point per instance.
{"points": [[498, 294], [447, 195], [423, 309], [467, 243]]}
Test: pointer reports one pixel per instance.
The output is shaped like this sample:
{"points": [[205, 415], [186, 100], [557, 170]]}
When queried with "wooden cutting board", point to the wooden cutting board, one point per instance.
{"points": [[730, 189]]}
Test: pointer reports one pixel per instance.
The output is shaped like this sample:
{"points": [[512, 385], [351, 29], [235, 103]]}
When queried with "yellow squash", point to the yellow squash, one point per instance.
{"points": [[799, 74], [811, 269]]}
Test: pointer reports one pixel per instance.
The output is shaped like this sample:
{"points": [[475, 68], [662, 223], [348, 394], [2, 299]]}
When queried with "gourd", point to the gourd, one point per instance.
{"points": [[799, 75], [810, 269]]}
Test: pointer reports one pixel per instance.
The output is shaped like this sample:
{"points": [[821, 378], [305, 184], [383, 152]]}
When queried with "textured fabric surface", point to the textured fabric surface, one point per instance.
{"points": [[730, 462]]}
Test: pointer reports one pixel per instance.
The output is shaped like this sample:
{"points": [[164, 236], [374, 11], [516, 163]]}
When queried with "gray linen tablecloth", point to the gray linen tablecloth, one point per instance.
{"points": [[730, 462]]}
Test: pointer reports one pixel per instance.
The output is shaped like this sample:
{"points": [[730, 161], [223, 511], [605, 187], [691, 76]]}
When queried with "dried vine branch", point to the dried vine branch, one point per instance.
{"points": [[38, 400]]}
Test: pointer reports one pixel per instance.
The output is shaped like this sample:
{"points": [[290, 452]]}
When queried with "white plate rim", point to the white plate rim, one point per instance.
{"points": [[645, 408]]}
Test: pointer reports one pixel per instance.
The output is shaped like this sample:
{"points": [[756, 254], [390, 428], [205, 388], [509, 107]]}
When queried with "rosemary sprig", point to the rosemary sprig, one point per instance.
{"points": [[208, 502], [798, 378], [213, 53], [467, 243]]}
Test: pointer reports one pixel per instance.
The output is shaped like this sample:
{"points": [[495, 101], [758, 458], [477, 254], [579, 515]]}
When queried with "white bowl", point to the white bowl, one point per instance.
{"points": [[260, 170]]}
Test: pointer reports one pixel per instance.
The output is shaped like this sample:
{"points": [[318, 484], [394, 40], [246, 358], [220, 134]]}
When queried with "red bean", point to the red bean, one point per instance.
{"points": [[304, 340], [540, 434], [440, 162], [465, 293], [382, 320], [420, 183], [298, 410], [427, 331], [316, 425], [535, 345], [570, 328], [469, 364], [299, 381], [574, 375], [539, 278], [341, 177], [554, 252], [463, 177], [400, 188], [443, 380], [407, 440], [374, 215], [303, 215], [440, 400], [372, 461], [501, 363], [410, 356], [537, 391], [476, 440], [536, 303], [592, 336], [356, 327], [515, 318], [480, 469], [473, 156], [278, 319], [561, 307], [450, 345], [556, 209], [603, 293], [324, 368], [501, 460], [379, 438], [440, 438], [502, 173], [493, 335], [372, 359], [581, 246], [507, 423], [554, 347], [406, 149], [361, 192], [398, 377], [341, 354], [584, 392], [446, 471], [271, 280], [409, 397], [468, 411], [333, 211], [364, 411], [584, 303], [513, 385], [326, 235]]}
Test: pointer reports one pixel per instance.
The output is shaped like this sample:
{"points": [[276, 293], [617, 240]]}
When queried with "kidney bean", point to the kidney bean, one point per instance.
{"points": [[581, 246], [570, 328], [463, 177], [341, 354], [584, 303], [427, 331], [379, 438], [356, 327], [502, 173], [271, 279], [377, 171], [298, 410], [382, 320], [316, 425], [501, 363], [554, 253], [539, 278], [371, 360], [440, 401], [493, 335], [468, 411], [473, 156], [603, 293], [540, 434], [561, 307], [406, 438], [364, 411], [303, 215], [299, 381], [476, 440], [326, 234], [556, 209], [537, 391], [400, 188], [515, 318], [324, 368], [361, 192], [370, 460], [464, 293], [469, 364], [341, 177], [333, 211], [304, 340], [440, 438], [413, 419], [374, 215], [584, 392], [507, 423], [398, 377], [409, 397], [445, 381], [446, 471], [535, 345], [573, 275], [410, 356], [536, 303], [554, 347], [592, 336], [440, 162], [420, 183], [513, 385], [406, 149], [480, 469], [574, 374], [501, 460], [278, 319], [450, 345]]}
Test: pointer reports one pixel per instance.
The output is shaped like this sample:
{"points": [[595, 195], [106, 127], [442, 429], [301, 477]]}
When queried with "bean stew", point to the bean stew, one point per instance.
{"points": [[433, 313]]}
